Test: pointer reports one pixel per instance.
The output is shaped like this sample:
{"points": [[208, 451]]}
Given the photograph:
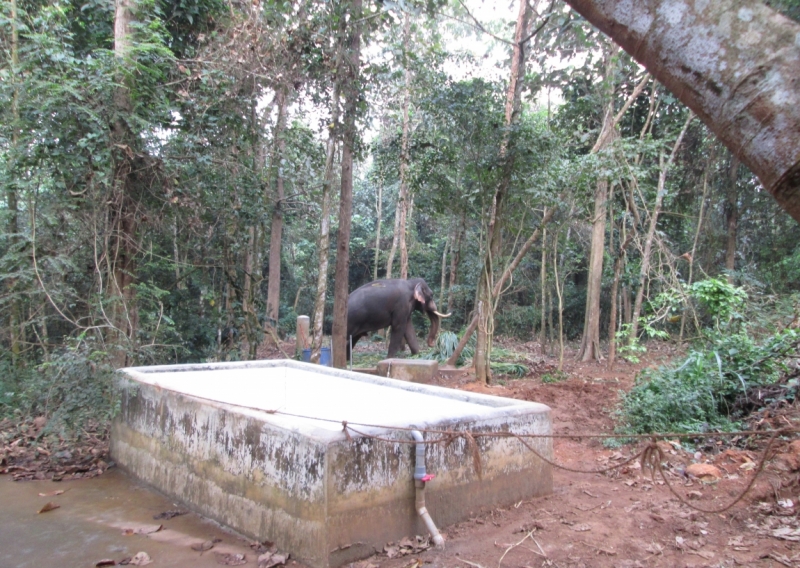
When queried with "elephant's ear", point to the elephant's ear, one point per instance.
{"points": [[419, 296]]}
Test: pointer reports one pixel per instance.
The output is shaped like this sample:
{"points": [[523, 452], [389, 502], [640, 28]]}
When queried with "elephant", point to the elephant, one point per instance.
{"points": [[389, 303]]}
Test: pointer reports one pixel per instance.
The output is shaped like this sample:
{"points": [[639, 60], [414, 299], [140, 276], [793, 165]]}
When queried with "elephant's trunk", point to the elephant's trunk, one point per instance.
{"points": [[433, 315]]}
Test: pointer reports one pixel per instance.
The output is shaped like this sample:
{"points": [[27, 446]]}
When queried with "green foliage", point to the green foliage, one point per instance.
{"points": [[697, 394], [721, 299]]}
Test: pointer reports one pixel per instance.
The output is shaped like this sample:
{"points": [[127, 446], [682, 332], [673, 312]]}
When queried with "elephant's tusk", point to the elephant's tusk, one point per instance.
{"points": [[443, 315]]}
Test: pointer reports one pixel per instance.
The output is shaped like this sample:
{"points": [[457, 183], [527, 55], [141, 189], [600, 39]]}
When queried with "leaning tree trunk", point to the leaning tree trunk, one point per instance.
{"points": [[351, 91], [501, 282], [733, 62]]}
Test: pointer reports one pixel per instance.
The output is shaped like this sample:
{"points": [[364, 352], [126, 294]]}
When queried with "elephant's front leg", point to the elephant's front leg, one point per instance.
{"points": [[411, 338], [396, 341]]}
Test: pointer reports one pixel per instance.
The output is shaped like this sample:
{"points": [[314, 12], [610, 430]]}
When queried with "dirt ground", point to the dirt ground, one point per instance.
{"points": [[627, 518], [622, 518]]}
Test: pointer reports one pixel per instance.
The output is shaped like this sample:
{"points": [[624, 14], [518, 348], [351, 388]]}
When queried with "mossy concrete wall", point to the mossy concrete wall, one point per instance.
{"points": [[325, 498]]}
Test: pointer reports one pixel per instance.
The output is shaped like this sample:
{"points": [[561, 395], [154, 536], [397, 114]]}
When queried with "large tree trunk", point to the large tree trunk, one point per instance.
{"points": [[733, 62], [351, 91]]}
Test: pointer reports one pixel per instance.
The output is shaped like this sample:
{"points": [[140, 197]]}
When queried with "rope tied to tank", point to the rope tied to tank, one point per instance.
{"points": [[650, 457]]}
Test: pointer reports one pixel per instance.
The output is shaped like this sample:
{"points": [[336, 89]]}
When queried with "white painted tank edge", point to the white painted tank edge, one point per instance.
{"points": [[323, 435], [143, 374]]}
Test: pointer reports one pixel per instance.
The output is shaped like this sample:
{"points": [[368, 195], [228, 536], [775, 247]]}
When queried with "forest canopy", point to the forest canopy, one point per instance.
{"points": [[181, 180]]}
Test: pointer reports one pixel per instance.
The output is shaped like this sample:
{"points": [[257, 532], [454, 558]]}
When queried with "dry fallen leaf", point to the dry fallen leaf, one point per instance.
{"points": [[787, 533], [141, 529], [203, 546], [54, 493], [270, 559], [704, 471], [169, 514], [702, 554], [230, 559], [141, 559], [49, 506], [581, 528]]}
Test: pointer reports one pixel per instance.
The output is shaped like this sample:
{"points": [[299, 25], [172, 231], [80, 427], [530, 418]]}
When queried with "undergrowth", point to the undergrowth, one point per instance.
{"points": [[71, 389], [697, 394]]}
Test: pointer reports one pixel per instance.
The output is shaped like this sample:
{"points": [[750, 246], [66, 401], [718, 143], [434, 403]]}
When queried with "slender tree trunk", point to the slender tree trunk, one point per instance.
{"points": [[590, 341], [455, 259], [406, 236], [379, 214], [651, 231], [732, 217], [444, 272], [401, 211], [12, 228], [324, 241], [483, 349], [619, 259], [559, 292], [121, 208], [691, 255], [543, 294], [748, 70], [276, 229], [351, 92]]}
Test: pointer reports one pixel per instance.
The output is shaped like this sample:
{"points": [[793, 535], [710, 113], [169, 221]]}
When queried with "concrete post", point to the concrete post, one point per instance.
{"points": [[303, 338]]}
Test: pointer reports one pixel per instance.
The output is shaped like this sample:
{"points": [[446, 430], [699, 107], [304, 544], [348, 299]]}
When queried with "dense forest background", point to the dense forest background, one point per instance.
{"points": [[182, 179]]}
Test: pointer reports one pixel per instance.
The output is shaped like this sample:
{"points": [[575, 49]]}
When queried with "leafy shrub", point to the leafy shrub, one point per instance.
{"points": [[555, 377], [75, 386], [697, 395], [720, 299], [510, 369]]}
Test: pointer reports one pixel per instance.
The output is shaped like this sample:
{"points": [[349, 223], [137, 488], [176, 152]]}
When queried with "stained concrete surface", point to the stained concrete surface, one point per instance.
{"points": [[88, 526], [259, 446]]}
